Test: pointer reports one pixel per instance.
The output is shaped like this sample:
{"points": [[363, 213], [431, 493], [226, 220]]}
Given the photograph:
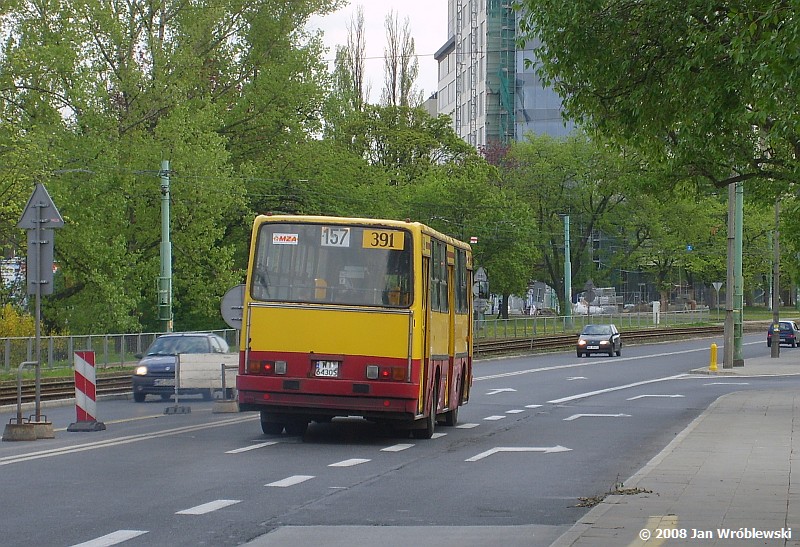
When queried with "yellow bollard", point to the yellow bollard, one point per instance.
{"points": [[712, 366]]}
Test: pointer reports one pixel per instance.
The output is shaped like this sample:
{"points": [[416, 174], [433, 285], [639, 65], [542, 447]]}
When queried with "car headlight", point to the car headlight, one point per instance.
{"points": [[581, 342], [141, 371], [604, 343]]}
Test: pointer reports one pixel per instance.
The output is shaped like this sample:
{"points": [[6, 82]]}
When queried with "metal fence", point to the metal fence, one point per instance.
{"points": [[111, 350], [522, 326]]}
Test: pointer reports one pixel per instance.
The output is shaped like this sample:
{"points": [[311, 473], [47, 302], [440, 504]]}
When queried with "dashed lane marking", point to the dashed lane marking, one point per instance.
{"points": [[493, 418], [290, 481], [251, 447], [466, 426], [661, 396], [397, 447], [349, 463], [208, 507], [112, 539], [576, 416]]}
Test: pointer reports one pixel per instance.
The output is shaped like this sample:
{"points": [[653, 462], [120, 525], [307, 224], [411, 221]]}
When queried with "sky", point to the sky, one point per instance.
{"points": [[427, 21]]}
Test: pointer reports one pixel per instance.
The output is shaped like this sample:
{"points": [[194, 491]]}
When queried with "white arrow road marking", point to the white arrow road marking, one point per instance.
{"points": [[617, 388], [576, 378], [349, 463], [208, 507], [112, 539], [290, 481], [643, 396], [251, 447], [545, 449], [576, 416], [501, 390]]}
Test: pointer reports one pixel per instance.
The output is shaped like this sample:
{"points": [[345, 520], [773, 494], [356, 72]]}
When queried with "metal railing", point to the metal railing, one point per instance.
{"points": [[120, 349], [524, 325], [110, 349]]}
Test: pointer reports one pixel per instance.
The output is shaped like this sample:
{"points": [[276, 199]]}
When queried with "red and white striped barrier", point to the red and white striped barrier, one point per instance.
{"points": [[85, 394]]}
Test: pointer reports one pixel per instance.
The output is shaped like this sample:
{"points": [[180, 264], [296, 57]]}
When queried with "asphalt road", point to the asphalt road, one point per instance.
{"points": [[541, 436]]}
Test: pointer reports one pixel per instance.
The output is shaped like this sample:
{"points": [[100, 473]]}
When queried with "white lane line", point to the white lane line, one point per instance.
{"points": [[660, 396], [728, 384], [572, 378], [290, 481], [397, 447], [349, 463], [466, 426], [111, 539], [515, 411], [576, 416], [120, 441], [493, 418], [590, 362], [617, 388], [438, 435], [251, 447], [208, 507], [545, 449], [532, 406]]}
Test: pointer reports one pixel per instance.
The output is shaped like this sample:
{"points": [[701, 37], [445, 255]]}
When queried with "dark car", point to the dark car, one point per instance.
{"points": [[599, 339], [789, 333], [155, 374]]}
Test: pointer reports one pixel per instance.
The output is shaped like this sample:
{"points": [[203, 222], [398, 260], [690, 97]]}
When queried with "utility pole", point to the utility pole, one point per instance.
{"points": [[775, 344], [567, 274], [727, 354], [165, 279], [738, 283]]}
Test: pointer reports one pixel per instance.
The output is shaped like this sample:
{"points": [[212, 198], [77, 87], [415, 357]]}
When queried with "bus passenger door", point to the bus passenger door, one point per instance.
{"points": [[451, 330], [426, 338]]}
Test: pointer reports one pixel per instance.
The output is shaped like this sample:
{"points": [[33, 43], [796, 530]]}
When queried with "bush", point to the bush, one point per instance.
{"points": [[13, 323]]}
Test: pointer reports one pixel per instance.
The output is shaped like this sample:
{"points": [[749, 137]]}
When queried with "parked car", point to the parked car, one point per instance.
{"points": [[789, 333], [155, 374], [597, 338]]}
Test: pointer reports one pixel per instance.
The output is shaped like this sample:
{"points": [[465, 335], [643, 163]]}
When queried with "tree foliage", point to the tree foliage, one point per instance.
{"points": [[708, 87], [109, 90]]}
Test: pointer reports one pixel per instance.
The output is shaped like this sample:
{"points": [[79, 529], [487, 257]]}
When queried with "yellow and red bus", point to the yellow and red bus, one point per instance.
{"points": [[355, 317]]}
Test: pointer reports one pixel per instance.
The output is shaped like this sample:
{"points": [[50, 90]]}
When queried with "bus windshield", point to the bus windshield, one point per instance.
{"points": [[332, 263]]}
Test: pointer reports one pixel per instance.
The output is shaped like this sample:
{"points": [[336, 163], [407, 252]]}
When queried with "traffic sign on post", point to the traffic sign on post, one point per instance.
{"points": [[40, 211], [39, 218]]}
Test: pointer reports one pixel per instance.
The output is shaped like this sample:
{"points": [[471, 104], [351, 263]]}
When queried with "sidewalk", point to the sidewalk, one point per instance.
{"points": [[734, 470]]}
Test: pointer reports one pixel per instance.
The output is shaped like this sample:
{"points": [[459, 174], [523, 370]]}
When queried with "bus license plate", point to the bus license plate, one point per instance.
{"points": [[326, 369]]}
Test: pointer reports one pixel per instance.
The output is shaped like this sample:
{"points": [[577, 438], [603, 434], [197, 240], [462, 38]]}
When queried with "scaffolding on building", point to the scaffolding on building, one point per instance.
{"points": [[500, 71]]}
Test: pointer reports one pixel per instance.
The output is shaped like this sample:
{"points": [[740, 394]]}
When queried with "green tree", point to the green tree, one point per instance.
{"points": [[222, 90], [708, 88], [575, 177]]}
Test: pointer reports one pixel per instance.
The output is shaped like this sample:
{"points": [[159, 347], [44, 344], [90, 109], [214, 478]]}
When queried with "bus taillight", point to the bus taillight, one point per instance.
{"points": [[397, 374], [266, 367]]}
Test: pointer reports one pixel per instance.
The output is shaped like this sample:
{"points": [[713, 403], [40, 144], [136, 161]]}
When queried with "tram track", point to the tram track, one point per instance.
{"points": [[120, 383], [62, 388]]}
